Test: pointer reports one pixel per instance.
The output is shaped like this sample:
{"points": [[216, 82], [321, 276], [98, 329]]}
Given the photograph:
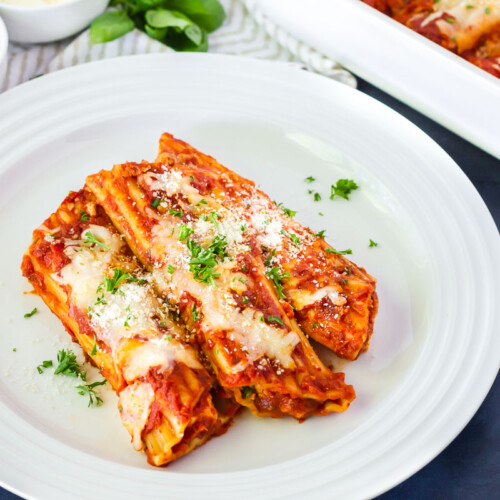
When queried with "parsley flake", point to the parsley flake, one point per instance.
{"points": [[247, 391], [286, 211], [343, 188], [89, 390], [67, 364], [156, 202], [275, 319], [28, 315], [310, 179], [339, 252], [278, 278], [317, 197], [194, 313], [295, 239], [91, 239], [373, 244], [185, 232], [84, 216], [320, 234], [45, 364], [204, 260], [176, 213]]}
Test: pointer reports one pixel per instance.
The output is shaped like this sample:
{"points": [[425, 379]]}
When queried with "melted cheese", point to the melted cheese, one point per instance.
{"points": [[219, 313], [158, 353], [135, 403], [470, 24], [130, 311], [84, 273], [304, 298]]}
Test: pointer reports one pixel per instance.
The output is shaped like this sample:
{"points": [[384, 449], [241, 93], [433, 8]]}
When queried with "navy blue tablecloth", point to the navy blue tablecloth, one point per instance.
{"points": [[470, 467]]}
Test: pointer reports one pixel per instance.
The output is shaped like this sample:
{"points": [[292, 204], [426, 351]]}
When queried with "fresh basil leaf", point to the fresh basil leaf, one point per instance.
{"points": [[149, 4], [163, 18], [194, 33], [207, 14], [182, 43], [156, 33], [110, 26]]}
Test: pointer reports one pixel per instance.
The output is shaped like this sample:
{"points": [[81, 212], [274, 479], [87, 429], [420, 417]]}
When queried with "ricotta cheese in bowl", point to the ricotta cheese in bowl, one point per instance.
{"points": [[43, 21], [32, 3]]}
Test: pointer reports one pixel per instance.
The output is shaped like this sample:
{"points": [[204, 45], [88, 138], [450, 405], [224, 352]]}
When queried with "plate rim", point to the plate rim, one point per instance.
{"points": [[231, 60]]}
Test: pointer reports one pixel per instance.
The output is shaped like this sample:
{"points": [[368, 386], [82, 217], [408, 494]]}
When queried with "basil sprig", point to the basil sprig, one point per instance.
{"points": [[180, 24]]}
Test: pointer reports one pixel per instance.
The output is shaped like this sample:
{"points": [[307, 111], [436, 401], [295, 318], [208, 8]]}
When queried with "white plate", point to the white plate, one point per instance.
{"points": [[434, 353], [422, 74]]}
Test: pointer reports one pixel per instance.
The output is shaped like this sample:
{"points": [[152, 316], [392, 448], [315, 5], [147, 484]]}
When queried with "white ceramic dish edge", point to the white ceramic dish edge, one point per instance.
{"points": [[420, 73], [4, 43]]}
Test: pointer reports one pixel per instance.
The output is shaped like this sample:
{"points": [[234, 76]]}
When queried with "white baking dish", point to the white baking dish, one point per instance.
{"points": [[434, 81]]}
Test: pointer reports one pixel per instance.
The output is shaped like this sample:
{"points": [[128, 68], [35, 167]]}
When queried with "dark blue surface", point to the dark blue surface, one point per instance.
{"points": [[470, 467]]}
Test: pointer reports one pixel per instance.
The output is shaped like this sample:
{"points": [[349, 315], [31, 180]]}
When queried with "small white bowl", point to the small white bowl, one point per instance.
{"points": [[42, 24], [4, 42]]}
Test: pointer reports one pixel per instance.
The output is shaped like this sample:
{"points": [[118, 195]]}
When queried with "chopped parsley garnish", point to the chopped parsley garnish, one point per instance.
{"points": [[176, 213], [347, 270], [194, 313], [67, 364], [202, 202], [373, 244], [91, 239], [295, 239], [213, 218], [343, 188], [185, 232], [28, 315], [204, 260], [170, 269], [310, 179], [317, 197], [339, 252], [267, 263], [275, 319], [111, 284], [450, 20], [129, 317], [243, 227], [247, 391], [315, 325], [45, 364], [89, 390], [162, 323], [243, 280], [84, 216], [278, 278], [169, 338], [191, 179], [469, 6], [320, 234], [320, 213], [487, 10], [286, 211], [156, 202], [244, 268], [14, 349], [94, 348], [344, 282], [203, 217], [245, 300]]}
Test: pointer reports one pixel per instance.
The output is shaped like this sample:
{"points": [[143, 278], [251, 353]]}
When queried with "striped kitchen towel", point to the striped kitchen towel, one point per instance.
{"points": [[246, 31]]}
